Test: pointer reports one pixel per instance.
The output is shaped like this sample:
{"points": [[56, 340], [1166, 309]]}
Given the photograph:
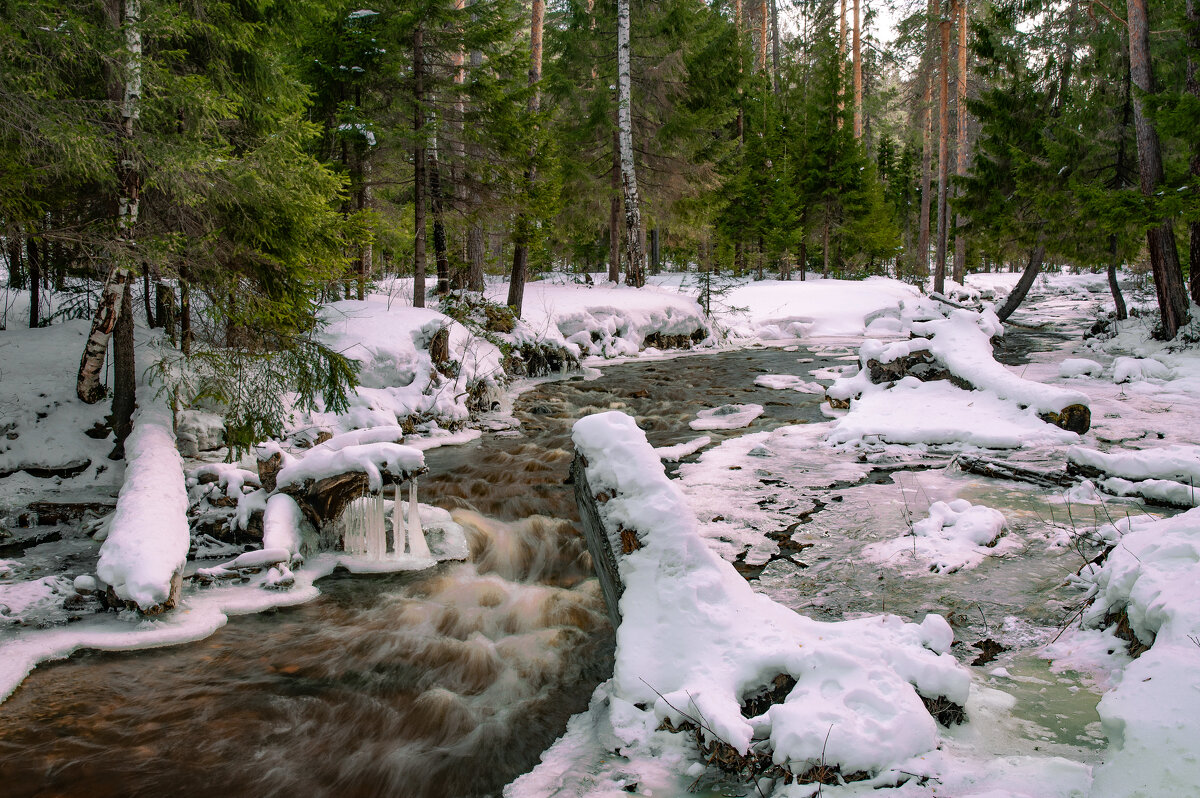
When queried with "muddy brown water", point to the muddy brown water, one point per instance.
{"points": [[449, 682]]}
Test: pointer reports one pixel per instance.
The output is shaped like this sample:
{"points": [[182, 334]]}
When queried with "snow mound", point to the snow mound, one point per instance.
{"points": [[777, 310], [1152, 716], [915, 412], [733, 416], [956, 536], [781, 382], [673, 454], [1079, 367], [697, 641], [372, 459], [1139, 369], [147, 544]]}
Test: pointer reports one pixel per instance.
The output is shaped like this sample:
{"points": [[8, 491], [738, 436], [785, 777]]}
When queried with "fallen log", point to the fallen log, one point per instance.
{"points": [[997, 469], [604, 560]]}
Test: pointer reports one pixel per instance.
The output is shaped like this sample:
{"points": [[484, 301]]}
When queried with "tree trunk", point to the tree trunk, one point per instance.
{"points": [[1014, 299], [960, 150], [636, 270], [943, 214], [655, 253], [764, 15], [419, 169], [1193, 87], [440, 254], [475, 257], [858, 85], [34, 260], [124, 375], [775, 45], [842, 33], [1164, 258], [87, 383], [520, 265], [1113, 264], [185, 316], [921, 264]]}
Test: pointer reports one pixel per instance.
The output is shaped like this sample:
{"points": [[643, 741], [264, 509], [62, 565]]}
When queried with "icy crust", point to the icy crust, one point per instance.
{"points": [[696, 640], [148, 539], [372, 459], [1152, 716], [733, 416], [956, 536]]}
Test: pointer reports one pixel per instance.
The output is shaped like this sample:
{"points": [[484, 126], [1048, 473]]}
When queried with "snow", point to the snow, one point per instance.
{"points": [[372, 459], [1152, 715], [1166, 474], [673, 454], [1136, 369], [956, 536], [734, 416], [915, 412], [696, 639], [1080, 367], [147, 542], [788, 382], [281, 524], [777, 310]]}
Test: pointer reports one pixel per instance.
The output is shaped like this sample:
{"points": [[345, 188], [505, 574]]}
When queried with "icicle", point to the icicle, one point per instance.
{"points": [[417, 546], [397, 522], [376, 532]]}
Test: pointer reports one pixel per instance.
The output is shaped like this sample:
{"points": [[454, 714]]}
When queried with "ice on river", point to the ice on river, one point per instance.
{"points": [[957, 535], [734, 416]]}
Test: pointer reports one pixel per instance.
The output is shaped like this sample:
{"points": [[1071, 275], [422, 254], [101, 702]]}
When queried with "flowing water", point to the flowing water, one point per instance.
{"points": [[451, 682]]}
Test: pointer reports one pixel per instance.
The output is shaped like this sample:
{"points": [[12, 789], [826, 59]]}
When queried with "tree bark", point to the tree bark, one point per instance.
{"points": [[1014, 299], [775, 44], [87, 383], [764, 15], [419, 168], [520, 264], [636, 270], [440, 253], [960, 150], [858, 80], [943, 215], [1193, 87], [1164, 258], [921, 264], [185, 316], [124, 375], [1114, 263], [34, 259]]}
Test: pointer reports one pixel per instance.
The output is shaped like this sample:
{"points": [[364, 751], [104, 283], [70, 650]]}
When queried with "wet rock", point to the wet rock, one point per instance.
{"points": [[72, 468]]}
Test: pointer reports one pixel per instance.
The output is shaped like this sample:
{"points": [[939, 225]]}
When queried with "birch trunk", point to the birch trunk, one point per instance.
{"points": [[87, 384], [636, 274], [1164, 258], [614, 214]]}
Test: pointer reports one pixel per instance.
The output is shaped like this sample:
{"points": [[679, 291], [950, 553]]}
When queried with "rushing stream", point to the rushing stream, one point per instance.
{"points": [[451, 682]]}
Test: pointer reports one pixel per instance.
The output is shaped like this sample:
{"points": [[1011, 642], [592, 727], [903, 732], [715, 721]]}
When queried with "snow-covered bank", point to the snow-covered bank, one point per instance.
{"points": [[697, 645], [1146, 589]]}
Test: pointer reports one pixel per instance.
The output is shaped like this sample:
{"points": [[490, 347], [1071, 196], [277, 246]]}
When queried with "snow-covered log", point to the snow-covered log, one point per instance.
{"points": [[958, 349], [143, 556], [696, 641], [1164, 475], [325, 480]]}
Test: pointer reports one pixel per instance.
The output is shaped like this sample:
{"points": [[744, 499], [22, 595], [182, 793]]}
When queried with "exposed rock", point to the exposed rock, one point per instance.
{"points": [[67, 470]]}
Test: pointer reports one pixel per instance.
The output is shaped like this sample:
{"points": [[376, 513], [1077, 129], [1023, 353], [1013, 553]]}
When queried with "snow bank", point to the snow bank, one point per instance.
{"points": [[1079, 367], [1137, 369], [777, 310], [1152, 716], [1166, 475], [397, 376], [696, 640], [608, 320], [956, 536], [144, 553]]}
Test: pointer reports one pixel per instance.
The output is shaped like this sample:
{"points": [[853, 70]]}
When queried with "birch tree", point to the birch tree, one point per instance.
{"points": [[123, 16], [636, 269]]}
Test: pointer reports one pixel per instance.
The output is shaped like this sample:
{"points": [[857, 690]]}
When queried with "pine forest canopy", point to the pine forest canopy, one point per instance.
{"points": [[239, 163]]}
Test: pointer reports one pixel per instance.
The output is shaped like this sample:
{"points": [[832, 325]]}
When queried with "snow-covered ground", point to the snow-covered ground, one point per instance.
{"points": [[704, 636]]}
